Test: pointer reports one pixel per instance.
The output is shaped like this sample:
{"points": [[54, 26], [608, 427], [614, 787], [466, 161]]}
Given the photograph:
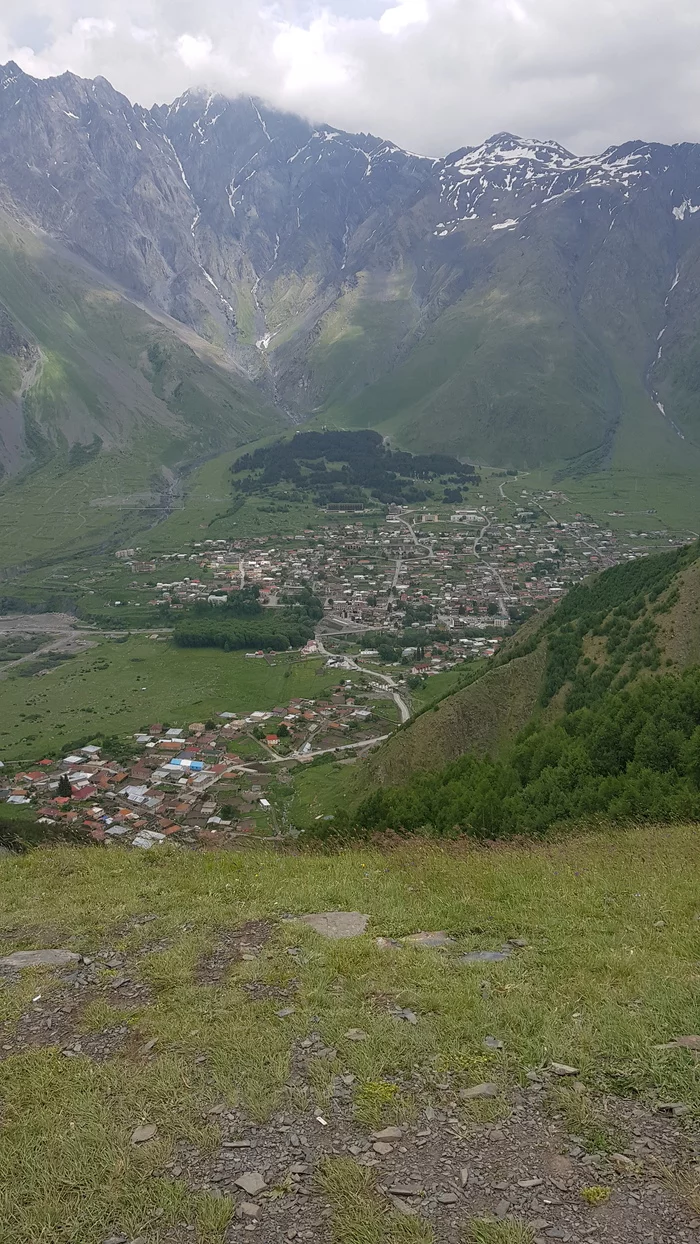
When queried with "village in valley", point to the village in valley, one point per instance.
{"points": [[407, 595]]}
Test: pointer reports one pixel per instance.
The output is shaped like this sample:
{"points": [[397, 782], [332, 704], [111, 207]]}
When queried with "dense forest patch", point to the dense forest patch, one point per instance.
{"points": [[635, 755], [341, 468], [243, 623]]}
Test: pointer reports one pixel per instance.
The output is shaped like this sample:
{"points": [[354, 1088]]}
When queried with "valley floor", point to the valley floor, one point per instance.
{"points": [[211, 1068]]}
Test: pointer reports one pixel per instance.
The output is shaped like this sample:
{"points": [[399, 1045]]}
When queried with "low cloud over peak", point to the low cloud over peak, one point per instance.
{"points": [[430, 74]]}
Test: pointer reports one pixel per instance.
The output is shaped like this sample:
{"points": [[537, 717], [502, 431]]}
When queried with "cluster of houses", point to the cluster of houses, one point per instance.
{"points": [[472, 569], [190, 784]]}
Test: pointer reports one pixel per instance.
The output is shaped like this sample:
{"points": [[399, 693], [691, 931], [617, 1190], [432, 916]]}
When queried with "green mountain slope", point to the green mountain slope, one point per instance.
{"points": [[626, 625], [613, 729], [103, 405]]}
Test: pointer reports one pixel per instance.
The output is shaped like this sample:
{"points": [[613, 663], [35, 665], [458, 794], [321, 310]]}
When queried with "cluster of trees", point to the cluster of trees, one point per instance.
{"points": [[243, 623], [620, 606], [277, 635], [339, 466], [635, 755], [391, 645]]}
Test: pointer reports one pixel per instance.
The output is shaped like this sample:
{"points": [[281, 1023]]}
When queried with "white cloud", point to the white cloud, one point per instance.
{"points": [[407, 13], [431, 74], [194, 51], [308, 58]]}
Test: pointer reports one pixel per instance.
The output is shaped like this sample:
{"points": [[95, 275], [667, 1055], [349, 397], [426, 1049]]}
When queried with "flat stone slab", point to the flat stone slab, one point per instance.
{"points": [[431, 941], [485, 956], [478, 1091], [336, 924], [39, 959], [252, 1183]]}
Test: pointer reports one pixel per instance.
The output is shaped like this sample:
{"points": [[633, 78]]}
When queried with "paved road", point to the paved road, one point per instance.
{"points": [[323, 751], [425, 545], [350, 663]]}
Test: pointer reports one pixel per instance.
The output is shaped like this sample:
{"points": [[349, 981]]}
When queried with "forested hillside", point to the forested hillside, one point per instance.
{"points": [[594, 712]]}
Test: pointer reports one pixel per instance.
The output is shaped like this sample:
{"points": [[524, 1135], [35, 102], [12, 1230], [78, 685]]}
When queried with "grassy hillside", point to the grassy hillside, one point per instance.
{"points": [[242, 1041], [479, 719], [117, 404], [594, 713], [632, 621], [498, 377]]}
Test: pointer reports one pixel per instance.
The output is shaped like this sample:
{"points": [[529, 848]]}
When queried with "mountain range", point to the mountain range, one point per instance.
{"points": [[194, 276]]}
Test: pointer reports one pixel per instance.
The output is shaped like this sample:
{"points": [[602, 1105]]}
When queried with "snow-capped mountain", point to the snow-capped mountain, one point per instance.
{"points": [[511, 301]]}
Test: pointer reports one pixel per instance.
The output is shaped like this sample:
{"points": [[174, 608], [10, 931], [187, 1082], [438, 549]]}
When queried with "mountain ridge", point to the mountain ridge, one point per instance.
{"points": [[511, 302]]}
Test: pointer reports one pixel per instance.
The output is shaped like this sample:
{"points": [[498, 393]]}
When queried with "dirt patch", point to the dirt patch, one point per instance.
{"points": [[55, 1018], [446, 1168], [233, 946], [258, 991]]}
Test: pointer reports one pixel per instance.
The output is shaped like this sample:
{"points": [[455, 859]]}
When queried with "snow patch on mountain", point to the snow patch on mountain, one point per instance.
{"points": [[686, 207]]}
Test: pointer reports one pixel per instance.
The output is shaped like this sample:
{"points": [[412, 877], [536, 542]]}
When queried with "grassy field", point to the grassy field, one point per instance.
{"points": [[116, 688], [318, 789], [608, 976]]}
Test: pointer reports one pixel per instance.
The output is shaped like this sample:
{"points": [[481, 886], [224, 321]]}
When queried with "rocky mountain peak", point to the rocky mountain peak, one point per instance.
{"points": [[322, 261]]}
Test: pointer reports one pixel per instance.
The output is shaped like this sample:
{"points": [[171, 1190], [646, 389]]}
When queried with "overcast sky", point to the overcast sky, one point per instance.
{"points": [[430, 74]]}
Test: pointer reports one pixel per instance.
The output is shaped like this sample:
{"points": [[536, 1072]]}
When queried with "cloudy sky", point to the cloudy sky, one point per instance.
{"points": [[430, 74]]}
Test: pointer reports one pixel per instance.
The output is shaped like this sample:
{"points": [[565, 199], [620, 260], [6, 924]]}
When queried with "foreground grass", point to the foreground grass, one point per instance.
{"points": [[609, 973], [359, 1214]]}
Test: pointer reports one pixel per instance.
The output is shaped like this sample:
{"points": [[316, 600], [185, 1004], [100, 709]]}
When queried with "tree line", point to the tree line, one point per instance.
{"points": [[634, 756]]}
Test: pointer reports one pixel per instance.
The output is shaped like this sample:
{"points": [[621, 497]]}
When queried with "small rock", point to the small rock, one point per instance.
{"points": [[479, 1090], [285, 1012], [673, 1107], [356, 1034], [252, 1182], [337, 924], [39, 959], [623, 1165], [448, 1198], [406, 1190], [402, 1206], [146, 1049], [561, 1069], [430, 941], [492, 1043], [388, 943], [143, 1133], [404, 1013], [249, 1209], [496, 1134], [530, 1183], [116, 1239], [484, 956], [502, 1208], [464, 1176], [389, 1133], [519, 942], [382, 1148]]}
